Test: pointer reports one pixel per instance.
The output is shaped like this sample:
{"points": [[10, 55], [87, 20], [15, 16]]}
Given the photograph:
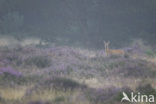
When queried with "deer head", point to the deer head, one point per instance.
{"points": [[106, 47]]}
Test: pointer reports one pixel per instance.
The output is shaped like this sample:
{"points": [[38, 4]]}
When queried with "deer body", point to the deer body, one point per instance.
{"points": [[112, 51], [115, 52]]}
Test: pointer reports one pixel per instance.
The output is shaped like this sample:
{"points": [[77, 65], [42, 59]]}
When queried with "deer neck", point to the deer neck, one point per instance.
{"points": [[107, 49]]}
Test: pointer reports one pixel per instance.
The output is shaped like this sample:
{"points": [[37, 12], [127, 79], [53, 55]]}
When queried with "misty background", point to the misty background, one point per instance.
{"points": [[80, 22]]}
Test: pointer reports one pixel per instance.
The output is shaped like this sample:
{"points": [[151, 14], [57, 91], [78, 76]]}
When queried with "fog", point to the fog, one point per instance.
{"points": [[80, 23], [77, 51]]}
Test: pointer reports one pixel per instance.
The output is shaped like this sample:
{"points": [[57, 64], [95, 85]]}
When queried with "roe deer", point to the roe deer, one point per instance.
{"points": [[112, 51]]}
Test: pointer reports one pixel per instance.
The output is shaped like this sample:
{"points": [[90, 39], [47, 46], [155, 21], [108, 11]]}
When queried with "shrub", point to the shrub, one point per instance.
{"points": [[106, 96], [59, 99], [63, 84], [146, 89], [39, 61], [10, 71], [38, 102], [13, 59], [12, 79], [150, 53]]}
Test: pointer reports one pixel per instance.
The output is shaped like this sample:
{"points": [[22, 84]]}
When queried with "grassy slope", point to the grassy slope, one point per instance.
{"points": [[65, 75]]}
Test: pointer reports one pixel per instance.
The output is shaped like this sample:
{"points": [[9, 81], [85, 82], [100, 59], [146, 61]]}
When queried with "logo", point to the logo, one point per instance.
{"points": [[137, 98]]}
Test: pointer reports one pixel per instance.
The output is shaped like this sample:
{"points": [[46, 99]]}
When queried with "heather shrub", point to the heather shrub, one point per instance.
{"points": [[11, 79], [13, 59], [10, 75], [106, 96], [38, 61], [38, 102], [146, 89], [137, 71], [7, 77], [1, 99], [114, 56], [119, 95], [132, 68], [63, 84], [150, 53], [116, 64], [59, 99], [126, 55], [10, 70], [100, 96]]}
